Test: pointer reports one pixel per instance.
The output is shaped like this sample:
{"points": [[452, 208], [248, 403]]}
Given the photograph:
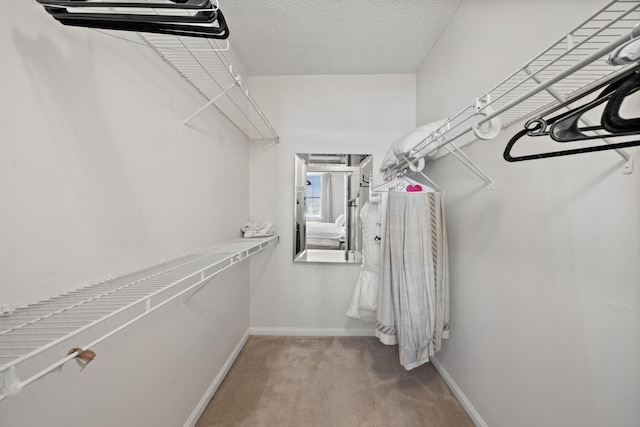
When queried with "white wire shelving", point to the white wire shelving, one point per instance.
{"points": [[35, 339], [203, 63], [569, 66]]}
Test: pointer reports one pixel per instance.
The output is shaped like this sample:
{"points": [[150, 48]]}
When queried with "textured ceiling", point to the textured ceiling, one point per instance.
{"points": [[300, 37]]}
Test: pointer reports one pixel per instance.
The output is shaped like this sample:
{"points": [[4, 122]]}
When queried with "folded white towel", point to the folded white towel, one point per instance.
{"points": [[258, 229]]}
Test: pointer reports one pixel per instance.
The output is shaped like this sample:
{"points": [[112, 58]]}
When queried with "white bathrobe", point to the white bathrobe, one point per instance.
{"points": [[364, 302]]}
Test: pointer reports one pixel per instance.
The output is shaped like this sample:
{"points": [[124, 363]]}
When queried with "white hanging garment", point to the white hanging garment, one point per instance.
{"points": [[364, 302], [402, 184]]}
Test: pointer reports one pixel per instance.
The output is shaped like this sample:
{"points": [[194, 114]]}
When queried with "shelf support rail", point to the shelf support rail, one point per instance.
{"points": [[440, 134], [245, 91], [456, 152], [211, 102], [236, 258], [465, 160]]}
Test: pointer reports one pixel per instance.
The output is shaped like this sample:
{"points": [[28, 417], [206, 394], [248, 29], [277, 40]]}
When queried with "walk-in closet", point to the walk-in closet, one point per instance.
{"points": [[300, 213]]}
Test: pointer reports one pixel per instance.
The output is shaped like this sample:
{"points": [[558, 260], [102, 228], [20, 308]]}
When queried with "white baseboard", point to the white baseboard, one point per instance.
{"points": [[202, 405], [313, 332], [457, 391]]}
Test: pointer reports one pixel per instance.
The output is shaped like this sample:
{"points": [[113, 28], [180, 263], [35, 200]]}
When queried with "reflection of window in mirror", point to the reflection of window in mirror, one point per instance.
{"points": [[314, 197]]}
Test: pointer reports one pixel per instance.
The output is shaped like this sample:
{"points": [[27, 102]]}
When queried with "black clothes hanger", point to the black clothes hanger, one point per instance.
{"points": [[508, 157], [611, 119], [198, 18], [206, 12], [208, 23], [220, 32], [182, 4], [564, 127]]}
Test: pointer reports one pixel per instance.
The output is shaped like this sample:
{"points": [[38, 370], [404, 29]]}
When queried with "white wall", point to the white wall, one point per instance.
{"points": [[317, 114], [98, 178], [544, 268]]}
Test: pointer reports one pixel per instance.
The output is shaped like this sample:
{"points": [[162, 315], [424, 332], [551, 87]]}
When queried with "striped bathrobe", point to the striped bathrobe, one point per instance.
{"points": [[413, 301]]}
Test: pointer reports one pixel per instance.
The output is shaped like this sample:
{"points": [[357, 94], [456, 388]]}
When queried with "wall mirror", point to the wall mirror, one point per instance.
{"points": [[329, 190]]}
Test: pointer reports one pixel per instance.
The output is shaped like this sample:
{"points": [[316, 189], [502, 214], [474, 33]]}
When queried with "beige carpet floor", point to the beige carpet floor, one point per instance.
{"points": [[332, 381]]}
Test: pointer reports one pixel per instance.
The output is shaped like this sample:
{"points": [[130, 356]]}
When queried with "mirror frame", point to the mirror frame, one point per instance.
{"points": [[358, 169]]}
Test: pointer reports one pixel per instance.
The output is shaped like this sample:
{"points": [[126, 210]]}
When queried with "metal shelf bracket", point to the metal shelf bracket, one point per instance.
{"points": [[211, 102]]}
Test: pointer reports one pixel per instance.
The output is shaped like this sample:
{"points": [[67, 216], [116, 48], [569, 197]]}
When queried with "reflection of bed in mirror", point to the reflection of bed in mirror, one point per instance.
{"points": [[326, 235]]}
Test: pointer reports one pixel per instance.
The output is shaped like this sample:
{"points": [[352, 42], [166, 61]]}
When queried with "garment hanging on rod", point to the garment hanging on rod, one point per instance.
{"points": [[402, 184], [378, 195], [565, 127], [413, 297]]}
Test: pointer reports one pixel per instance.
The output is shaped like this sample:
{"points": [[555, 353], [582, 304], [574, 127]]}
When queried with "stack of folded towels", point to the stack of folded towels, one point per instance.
{"points": [[258, 229]]}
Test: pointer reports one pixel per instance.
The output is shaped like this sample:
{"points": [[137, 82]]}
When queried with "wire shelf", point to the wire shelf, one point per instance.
{"points": [[567, 67], [203, 63], [32, 336]]}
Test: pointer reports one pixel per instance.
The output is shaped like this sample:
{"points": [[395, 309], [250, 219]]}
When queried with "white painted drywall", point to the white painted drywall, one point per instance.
{"points": [[317, 114], [545, 279], [98, 178]]}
